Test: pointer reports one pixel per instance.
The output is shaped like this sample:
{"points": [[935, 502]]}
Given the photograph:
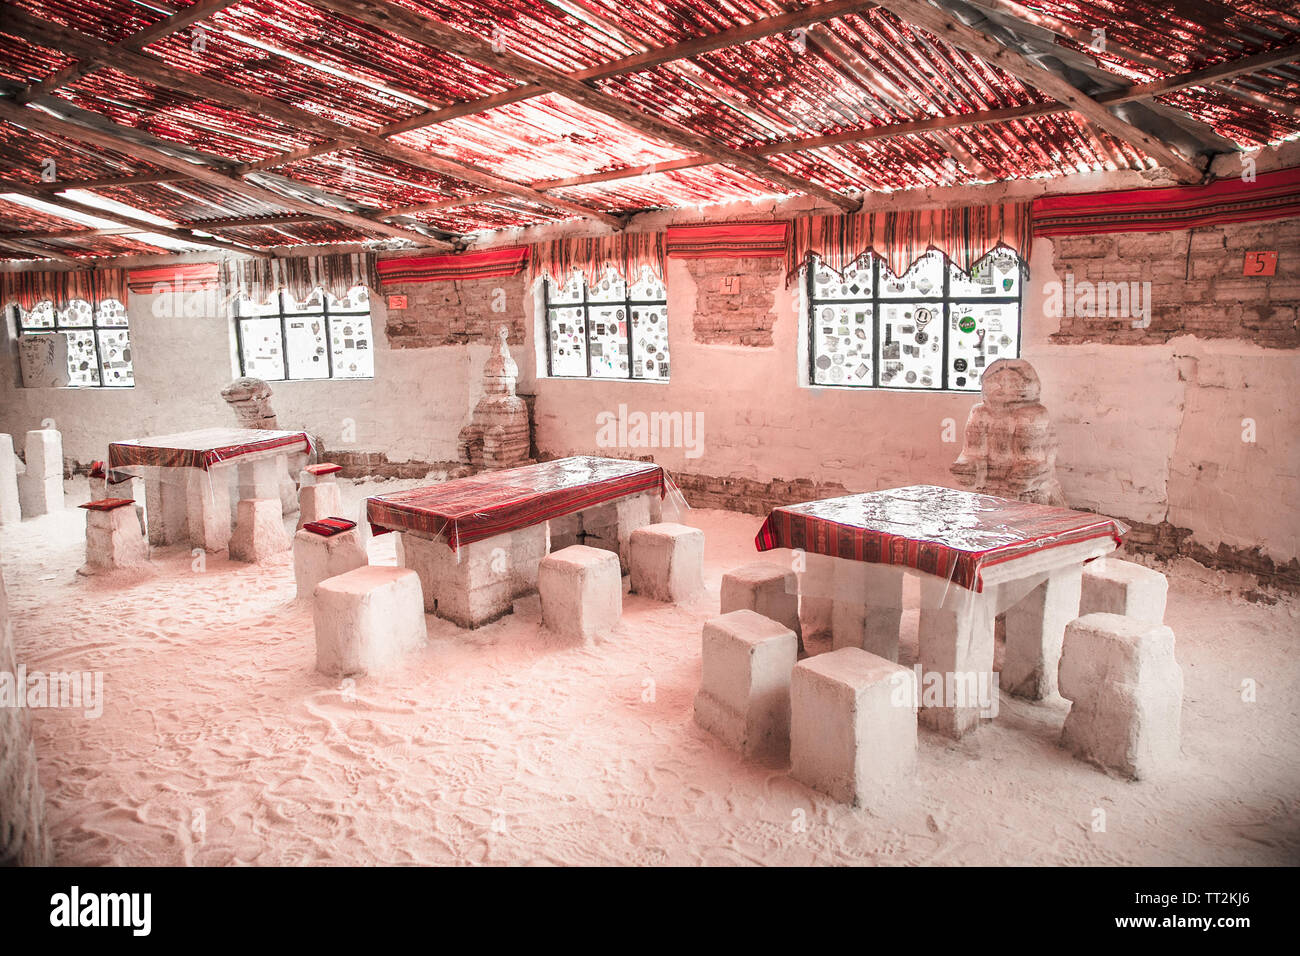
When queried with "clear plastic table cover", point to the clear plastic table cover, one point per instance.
{"points": [[940, 531], [490, 503], [173, 458]]}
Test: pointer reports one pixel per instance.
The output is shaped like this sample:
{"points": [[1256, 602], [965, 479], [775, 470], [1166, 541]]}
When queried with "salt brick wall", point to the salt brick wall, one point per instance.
{"points": [[24, 840], [456, 313], [744, 317]]}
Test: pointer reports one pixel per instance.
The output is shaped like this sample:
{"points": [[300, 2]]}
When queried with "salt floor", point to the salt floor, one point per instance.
{"points": [[219, 744]]}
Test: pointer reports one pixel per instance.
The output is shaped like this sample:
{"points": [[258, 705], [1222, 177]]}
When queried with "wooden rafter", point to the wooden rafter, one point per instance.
{"points": [[953, 31], [107, 182], [35, 250], [162, 74], [401, 22]]}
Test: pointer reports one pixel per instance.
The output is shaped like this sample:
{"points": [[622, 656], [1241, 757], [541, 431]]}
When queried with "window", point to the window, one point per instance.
{"points": [[611, 330], [323, 337], [935, 328], [99, 340]]}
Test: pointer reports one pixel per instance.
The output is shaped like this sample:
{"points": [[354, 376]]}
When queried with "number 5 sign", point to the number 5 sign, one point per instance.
{"points": [[1260, 264]]}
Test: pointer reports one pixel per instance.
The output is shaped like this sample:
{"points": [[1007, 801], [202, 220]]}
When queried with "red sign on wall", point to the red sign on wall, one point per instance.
{"points": [[1260, 264], [397, 301]]}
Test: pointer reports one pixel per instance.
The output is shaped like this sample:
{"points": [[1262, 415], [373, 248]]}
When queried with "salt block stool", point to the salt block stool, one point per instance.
{"points": [[1112, 586], [325, 472], [113, 535], [318, 501], [319, 556], [1126, 693], [764, 587], [667, 561], [582, 591], [366, 619], [40, 486], [259, 530], [852, 724], [744, 698]]}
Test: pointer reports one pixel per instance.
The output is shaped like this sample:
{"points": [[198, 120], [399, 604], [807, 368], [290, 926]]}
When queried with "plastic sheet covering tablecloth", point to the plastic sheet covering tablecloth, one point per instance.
{"points": [[940, 531], [201, 449], [470, 509]]}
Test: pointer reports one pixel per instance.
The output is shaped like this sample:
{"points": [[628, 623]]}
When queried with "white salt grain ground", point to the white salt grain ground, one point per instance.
{"points": [[220, 745]]}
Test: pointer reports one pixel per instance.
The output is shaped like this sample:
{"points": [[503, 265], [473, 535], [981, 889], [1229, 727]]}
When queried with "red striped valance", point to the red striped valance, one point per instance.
{"points": [[626, 253], [964, 234], [336, 273], [488, 264], [29, 289], [168, 280], [727, 240], [1273, 195]]}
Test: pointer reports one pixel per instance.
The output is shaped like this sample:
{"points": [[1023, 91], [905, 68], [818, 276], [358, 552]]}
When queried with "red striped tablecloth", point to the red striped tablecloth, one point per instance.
{"points": [[201, 449], [496, 502], [948, 533]]}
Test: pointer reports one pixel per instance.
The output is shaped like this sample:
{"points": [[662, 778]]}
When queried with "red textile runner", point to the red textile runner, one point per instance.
{"points": [[964, 234], [200, 449], [495, 502], [487, 264], [329, 527], [947, 533], [107, 504], [1273, 195], [626, 253], [727, 240], [166, 280], [29, 289]]}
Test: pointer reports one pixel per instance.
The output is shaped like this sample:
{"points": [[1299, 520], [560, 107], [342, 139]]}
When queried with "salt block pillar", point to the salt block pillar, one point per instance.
{"points": [[1035, 629], [260, 478], [1113, 586], [317, 557], [366, 620], [868, 609], [610, 525], [319, 501], [40, 489], [744, 697], [259, 530], [955, 638], [852, 725], [582, 592], [470, 586], [526, 549], [1126, 690], [10, 509], [817, 596], [207, 508], [113, 538]]}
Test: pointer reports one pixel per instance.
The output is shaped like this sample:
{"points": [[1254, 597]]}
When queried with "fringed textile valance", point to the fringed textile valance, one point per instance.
{"points": [[29, 289], [1273, 195], [488, 264], [628, 254], [965, 235], [336, 273], [727, 240], [168, 280]]}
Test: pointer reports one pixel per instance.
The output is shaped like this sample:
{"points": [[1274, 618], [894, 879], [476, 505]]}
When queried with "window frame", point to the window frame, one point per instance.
{"points": [[94, 329], [586, 305], [875, 301], [283, 315]]}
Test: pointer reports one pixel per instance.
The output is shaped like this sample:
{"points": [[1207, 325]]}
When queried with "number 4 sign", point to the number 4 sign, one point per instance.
{"points": [[1260, 264]]}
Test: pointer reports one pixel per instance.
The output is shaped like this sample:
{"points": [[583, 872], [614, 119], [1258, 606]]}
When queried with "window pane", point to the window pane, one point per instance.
{"points": [[650, 341], [569, 293], [41, 316], [647, 288], [925, 278], [998, 274], [78, 314], [83, 366], [351, 342], [305, 346], [261, 347], [843, 344], [115, 353], [111, 313], [979, 335], [611, 288], [855, 284], [608, 341], [911, 344], [568, 342]]}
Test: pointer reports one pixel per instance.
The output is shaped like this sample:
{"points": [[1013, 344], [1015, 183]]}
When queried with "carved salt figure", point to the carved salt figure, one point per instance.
{"points": [[1010, 442], [498, 434]]}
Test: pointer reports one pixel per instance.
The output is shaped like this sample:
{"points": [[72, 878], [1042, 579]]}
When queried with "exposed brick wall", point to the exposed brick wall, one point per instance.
{"points": [[24, 839], [1205, 294], [740, 318], [456, 313], [375, 464]]}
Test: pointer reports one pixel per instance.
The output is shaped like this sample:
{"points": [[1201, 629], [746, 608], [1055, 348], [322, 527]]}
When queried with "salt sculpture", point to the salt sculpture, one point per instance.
{"points": [[1010, 443], [498, 434], [251, 400]]}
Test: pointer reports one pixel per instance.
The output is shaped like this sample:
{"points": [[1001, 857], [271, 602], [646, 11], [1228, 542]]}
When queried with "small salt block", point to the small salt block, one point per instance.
{"points": [[107, 504], [324, 468], [328, 527]]}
